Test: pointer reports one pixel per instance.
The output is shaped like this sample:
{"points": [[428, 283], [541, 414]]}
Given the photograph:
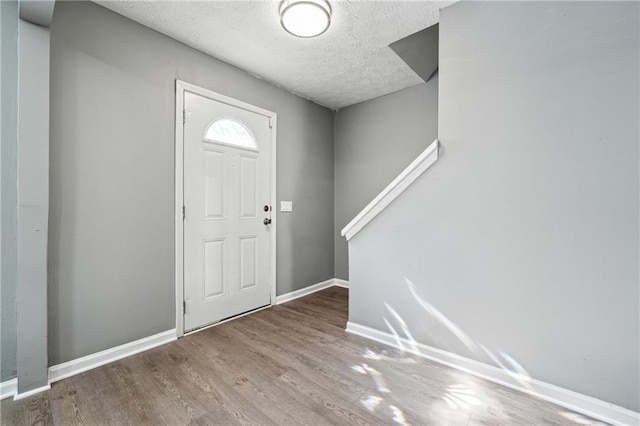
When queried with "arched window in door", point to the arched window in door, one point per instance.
{"points": [[229, 131]]}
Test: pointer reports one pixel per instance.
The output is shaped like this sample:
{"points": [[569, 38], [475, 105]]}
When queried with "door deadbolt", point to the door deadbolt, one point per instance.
{"points": [[266, 221], [266, 208]]}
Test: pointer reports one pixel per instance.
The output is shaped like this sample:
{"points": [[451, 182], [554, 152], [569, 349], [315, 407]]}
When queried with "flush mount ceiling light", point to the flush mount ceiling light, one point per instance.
{"points": [[305, 18]]}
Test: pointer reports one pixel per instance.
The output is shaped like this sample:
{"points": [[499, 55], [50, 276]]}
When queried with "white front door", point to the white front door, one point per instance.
{"points": [[227, 193]]}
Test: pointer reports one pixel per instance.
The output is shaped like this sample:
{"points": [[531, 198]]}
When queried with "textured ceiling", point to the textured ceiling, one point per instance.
{"points": [[350, 63]]}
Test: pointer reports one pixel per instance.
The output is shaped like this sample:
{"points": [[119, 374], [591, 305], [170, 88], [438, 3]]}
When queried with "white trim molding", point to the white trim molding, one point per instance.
{"points": [[393, 190], [89, 362], [27, 394], [571, 400], [80, 365], [8, 388], [287, 297], [340, 283], [179, 203]]}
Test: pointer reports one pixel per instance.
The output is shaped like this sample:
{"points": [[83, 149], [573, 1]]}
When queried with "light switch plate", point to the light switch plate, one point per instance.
{"points": [[286, 206]]}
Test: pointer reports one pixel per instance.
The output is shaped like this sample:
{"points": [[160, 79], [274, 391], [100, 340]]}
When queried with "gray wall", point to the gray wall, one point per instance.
{"points": [[112, 177], [525, 232], [8, 185], [374, 141], [33, 205]]}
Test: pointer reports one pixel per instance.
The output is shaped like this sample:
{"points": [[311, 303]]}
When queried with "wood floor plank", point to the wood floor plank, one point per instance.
{"points": [[206, 389], [304, 363], [235, 376], [65, 403], [310, 352], [35, 410], [291, 364], [333, 407], [336, 318]]}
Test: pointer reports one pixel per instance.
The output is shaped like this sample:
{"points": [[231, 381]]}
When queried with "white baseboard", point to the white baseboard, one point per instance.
{"points": [[80, 365], [575, 401], [340, 283], [27, 394], [287, 297], [8, 388]]}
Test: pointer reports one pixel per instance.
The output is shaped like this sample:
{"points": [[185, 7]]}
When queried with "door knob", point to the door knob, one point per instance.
{"points": [[266, 221]]}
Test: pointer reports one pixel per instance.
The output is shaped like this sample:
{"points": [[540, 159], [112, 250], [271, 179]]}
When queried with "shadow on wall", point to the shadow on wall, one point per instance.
{"points": [[408, 343], [464, 398]]}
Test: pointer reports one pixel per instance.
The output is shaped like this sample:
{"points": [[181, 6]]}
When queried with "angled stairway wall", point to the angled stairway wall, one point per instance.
{"points": [[373, 142], [522, 242]]}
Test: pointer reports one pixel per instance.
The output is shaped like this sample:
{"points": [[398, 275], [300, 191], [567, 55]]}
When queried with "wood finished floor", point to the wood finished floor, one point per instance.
{"points": [[290, 364]]}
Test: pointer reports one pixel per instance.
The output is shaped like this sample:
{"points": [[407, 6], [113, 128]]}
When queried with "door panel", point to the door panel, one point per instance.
{"points": [[213, 268], [248, 187], [248, 262], [213, 184], [227, 250]]}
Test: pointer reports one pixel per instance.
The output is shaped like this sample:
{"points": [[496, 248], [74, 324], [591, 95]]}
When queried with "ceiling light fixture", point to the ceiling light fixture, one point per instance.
{"points": [[305, 18]]}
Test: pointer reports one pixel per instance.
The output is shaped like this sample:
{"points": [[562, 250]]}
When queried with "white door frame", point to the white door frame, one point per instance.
{"points": [[181, 87]]}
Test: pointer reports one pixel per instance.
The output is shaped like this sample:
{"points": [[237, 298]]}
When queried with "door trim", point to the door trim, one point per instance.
{"points": [[181, 88]]}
